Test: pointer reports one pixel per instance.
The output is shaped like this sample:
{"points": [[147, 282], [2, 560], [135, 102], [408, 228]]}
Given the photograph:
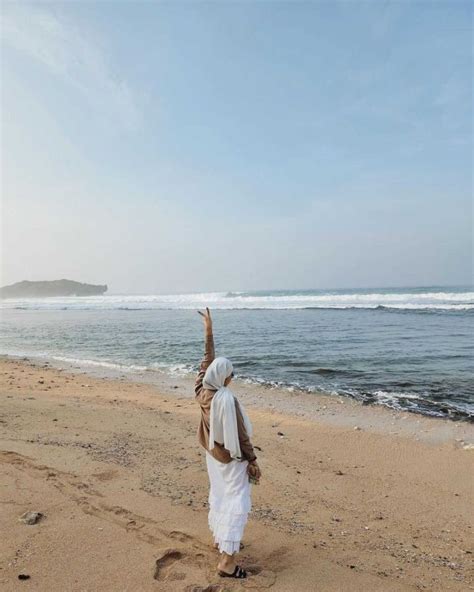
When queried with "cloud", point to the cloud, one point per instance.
{"points": [[73, 56]]}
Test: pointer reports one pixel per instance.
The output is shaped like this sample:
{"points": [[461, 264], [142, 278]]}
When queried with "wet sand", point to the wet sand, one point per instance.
{"points": [[353, 498]]}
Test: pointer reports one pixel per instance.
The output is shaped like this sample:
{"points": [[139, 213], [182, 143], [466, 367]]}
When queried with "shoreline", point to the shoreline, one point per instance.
{"points": [[115, 467], [300, 403]]}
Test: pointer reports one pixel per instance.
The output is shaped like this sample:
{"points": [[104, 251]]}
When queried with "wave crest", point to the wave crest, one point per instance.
{"points": [[428, 300]]}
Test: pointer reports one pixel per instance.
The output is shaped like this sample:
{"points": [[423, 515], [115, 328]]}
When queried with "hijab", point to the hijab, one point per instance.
{"points": [[223, 420]]}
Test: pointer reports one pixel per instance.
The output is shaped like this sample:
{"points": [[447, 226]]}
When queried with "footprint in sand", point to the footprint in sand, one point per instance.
{"points": [[180, 536], [105, 475], [165, 562], [258, 577]]}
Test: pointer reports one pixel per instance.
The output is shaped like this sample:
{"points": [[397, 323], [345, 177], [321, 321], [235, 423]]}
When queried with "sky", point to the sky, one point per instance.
{"points": [[164, 147]]}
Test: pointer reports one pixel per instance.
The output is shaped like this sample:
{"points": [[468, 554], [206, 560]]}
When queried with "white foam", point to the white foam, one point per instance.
{"points": [[430, 300], [99, 364]]}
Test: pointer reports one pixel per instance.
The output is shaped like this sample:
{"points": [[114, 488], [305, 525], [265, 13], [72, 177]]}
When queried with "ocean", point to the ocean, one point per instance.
{"points": [[403, 348]]}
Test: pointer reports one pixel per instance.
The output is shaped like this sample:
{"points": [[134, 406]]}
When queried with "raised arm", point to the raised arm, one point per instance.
{"points": [[209, 353]]}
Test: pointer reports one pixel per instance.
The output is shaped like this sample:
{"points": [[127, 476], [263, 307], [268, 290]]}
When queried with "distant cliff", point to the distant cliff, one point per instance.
{"points": [[55, 288]]}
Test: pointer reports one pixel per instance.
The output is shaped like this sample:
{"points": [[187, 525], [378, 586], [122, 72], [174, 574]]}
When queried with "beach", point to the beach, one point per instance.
{"points": [[353, 497], [271, 200]]}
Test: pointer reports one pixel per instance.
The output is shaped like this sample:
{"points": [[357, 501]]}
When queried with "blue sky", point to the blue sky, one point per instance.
{"points": [[189, 146]]}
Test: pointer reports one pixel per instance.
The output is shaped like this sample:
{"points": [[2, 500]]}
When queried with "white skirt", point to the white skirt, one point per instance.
{"points": [[229, 502]]}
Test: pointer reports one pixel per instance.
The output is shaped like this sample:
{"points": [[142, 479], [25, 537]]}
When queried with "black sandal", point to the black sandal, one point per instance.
{"points": [[238, 573]]}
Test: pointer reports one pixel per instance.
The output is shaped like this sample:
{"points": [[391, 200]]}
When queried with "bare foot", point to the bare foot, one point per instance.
{"points": [[226, 563]]}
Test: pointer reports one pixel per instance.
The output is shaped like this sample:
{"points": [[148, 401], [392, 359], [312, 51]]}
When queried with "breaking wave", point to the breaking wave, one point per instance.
{"points": [[409, 300]]}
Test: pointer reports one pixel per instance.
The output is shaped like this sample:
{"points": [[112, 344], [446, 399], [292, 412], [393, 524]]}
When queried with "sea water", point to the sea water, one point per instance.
{"points": [[404, 348]]}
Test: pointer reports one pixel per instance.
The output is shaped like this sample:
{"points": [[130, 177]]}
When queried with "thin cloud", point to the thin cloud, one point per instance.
{"points": [[71, 55]]}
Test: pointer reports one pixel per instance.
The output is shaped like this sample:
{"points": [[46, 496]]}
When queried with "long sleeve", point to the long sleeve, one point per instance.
{"points": [[245, 445], [209, 356]]}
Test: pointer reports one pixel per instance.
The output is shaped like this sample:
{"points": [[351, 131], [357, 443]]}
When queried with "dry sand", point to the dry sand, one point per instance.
{"points": [[115, 468]]}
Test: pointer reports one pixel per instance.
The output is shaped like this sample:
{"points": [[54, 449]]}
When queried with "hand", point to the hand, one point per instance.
{"points": [[254, 470], [207, 318]]}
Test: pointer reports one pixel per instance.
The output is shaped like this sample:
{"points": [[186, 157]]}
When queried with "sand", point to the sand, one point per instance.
{"points": [[353, 498]]}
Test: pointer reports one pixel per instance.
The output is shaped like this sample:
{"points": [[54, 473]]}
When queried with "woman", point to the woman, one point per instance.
{"points": [[225, 432]]}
